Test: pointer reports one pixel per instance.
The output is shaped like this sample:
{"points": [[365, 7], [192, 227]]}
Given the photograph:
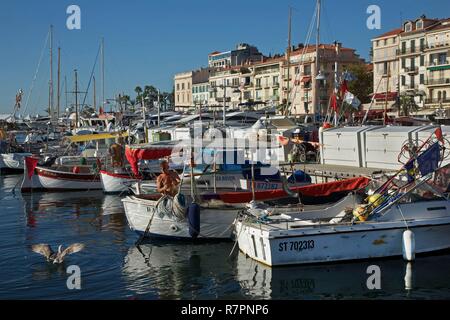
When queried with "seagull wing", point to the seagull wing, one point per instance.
{"points": [[43, 249], [76, 247]]}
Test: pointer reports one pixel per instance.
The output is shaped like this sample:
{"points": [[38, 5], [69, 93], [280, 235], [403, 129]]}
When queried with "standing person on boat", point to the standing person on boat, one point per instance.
{"points": [[168, 181], [116, 151]]}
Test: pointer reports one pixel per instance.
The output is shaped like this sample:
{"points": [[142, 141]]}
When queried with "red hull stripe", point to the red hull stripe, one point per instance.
{"points": [[118, 175], [68, 176]]}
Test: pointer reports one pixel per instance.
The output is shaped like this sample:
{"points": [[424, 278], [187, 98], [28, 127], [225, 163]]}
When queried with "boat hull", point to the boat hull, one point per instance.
{"points": [[45, 179], [364, 241], [12, 162], [116, 183], [215, 224]]}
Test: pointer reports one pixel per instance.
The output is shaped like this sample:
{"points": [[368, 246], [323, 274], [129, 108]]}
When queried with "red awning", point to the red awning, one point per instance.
{"points": [[382, 96], [306, 79], [314, 190], [148, 152]]}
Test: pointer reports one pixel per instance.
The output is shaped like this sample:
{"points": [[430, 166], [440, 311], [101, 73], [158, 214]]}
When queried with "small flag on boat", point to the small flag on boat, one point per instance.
{"points": [[428, 161], [333, 103], [344, 88], [31, 164], [348, 76], [438, 134], [410, 172], [352, 100]]}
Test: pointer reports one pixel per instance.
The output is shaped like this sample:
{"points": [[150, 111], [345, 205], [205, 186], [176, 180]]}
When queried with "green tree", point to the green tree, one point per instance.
{"points": [[363, 85]]}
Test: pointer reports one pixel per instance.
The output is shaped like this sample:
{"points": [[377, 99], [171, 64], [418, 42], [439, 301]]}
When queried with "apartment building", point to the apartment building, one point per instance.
{"points": [[200, 86], [437, 52], [385, 67], [183, 90], [308, 95], [243, 54], [413, 60], [266, 82], [229, 85]]}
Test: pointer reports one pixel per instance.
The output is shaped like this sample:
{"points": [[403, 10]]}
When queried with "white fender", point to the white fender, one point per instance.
{"points": [[409, 246]]}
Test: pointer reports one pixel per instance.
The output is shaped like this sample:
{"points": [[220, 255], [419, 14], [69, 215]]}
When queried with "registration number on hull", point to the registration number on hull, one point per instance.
{"points": [[296, 245]]}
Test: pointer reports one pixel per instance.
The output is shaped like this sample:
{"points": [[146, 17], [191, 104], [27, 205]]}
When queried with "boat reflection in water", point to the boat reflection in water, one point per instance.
{"points": [[399, 279], [180, 271], [88, 207]]}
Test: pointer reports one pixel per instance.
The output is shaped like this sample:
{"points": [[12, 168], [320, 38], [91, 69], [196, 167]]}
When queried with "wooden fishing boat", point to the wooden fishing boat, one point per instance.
{"points": [[60, 178]]}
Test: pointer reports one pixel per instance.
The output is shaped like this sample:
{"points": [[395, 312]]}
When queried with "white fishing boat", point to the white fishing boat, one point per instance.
{"points": [[116, 182], [413, 219], [155, 216], [12, 162], [407, 214], [61, 178], [170, 219]]}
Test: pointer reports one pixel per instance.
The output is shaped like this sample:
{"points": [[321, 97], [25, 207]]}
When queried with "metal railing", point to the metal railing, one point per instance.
{"points": [[412, 69], [437, 81], [416, 49], [436, 100]]}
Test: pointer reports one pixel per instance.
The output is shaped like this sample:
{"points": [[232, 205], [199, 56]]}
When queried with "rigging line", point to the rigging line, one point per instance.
{"points": [[92, 74], [308, 37], [36, 73]]}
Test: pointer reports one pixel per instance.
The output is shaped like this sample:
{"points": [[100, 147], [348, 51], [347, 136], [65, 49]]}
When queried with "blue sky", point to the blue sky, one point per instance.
{"points": [[148, 41]]}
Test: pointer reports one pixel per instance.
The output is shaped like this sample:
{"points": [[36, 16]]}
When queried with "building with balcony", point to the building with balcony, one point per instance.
{"points": [[420, 66], [266, 80], [438, 66], [200, 87], [227, 85], [385, 67], [183, 90], [306, 94], [243, 54]]}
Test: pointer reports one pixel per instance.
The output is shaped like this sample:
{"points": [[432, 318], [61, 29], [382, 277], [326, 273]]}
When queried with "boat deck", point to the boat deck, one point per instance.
{"points": [[335, 171]]}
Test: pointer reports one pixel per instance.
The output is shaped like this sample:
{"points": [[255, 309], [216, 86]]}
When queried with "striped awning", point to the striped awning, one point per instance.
{"points": [[438, 68]]}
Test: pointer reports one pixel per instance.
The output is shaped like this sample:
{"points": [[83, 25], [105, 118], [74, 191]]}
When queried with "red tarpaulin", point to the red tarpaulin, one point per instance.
{"points": [[31, 164], [314, 190], [134, 155]]}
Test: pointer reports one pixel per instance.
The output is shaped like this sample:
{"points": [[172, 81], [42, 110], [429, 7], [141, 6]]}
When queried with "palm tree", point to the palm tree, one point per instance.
{"points": [[138, 91], [407, 105]]}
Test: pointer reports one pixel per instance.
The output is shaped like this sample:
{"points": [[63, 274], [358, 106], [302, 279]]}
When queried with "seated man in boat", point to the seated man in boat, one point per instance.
{"points": [[168, 181]]}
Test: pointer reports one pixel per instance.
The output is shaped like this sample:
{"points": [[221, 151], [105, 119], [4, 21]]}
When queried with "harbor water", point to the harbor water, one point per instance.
{"points": [[113, 267]]}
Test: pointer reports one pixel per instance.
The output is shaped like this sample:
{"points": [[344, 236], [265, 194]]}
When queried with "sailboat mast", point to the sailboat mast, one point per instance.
{"points": [[103, 74], [76, 99], [95, 96], [50, 107], [317, 95], [65, 89], [58, 97], [318, 36], [288, 56]]}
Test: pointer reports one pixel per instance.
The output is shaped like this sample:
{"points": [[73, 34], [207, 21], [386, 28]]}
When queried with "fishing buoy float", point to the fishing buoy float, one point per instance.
{"points": [[361, 213], [376, 199], [409, 246], [194, 220]]}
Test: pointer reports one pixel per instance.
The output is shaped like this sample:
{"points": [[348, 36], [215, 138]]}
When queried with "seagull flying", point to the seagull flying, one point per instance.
{"points": [[56, 257]]}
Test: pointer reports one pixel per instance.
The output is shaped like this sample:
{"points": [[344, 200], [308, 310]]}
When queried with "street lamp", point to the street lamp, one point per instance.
{"points": [[224, 86], [144, 117]]}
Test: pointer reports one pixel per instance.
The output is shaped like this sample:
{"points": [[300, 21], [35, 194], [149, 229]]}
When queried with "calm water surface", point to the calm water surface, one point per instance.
{"points": [[112, 267]]}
